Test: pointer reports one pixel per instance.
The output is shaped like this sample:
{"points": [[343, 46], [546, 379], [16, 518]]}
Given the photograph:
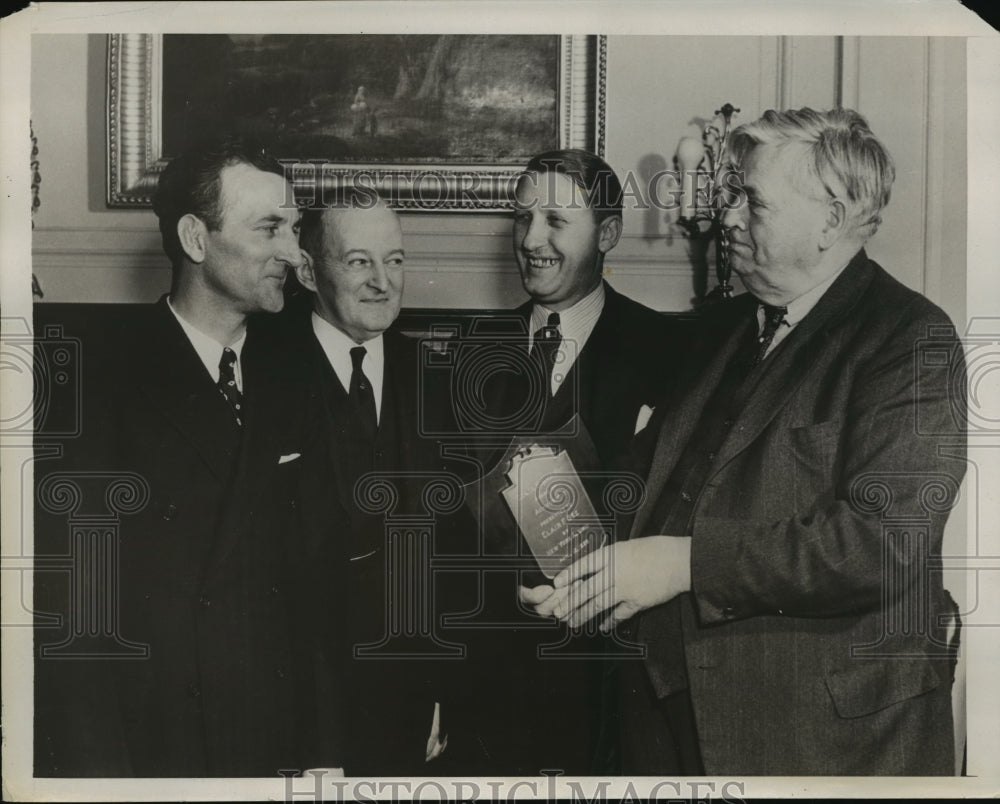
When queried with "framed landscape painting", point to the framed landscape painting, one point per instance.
{"points": [[429, 121]]}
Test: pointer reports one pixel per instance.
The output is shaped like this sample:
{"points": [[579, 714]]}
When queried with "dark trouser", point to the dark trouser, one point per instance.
{"points": [[655, 737]]}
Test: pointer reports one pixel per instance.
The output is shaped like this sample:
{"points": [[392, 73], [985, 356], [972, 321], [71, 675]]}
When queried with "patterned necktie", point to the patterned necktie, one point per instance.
{"points": [[545, 348], [773, 318], [227, 383], [361, 393]]}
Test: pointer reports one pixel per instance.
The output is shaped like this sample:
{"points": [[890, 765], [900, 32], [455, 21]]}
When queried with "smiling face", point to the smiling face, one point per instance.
{"points": [[776, 236], [358, 280], [247, 259], [558, 242]]}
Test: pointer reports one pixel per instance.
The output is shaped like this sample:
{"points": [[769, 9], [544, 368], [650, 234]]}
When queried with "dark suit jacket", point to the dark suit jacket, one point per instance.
{"points": [[624, 365], [202, 577], [375, 712], [530, 713], [811, 634]]}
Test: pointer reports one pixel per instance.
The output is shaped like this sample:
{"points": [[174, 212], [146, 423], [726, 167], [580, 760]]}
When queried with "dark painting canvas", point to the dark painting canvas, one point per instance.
{"points": [[444, 99]]}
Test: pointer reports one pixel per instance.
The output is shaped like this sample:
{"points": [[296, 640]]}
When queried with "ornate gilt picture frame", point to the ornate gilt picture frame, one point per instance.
{"points": [[452, 138]]}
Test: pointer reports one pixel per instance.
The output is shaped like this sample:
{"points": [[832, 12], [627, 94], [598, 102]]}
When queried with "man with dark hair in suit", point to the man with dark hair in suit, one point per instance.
{"points": [[378, 715], [567, 217], [792, 624], [191, 405], [604, 357]]}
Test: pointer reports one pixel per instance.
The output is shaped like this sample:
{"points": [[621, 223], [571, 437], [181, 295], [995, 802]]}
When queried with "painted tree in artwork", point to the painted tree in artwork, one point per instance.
{"points": [[433, 86]]}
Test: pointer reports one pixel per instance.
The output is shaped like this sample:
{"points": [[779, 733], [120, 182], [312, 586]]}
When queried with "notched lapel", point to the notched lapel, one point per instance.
{"points": [[177, 386], [680, 420], [784, 371]]}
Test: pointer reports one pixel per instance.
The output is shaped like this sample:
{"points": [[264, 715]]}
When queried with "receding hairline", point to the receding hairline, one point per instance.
{"points": [[331, 217], [225, 203]]}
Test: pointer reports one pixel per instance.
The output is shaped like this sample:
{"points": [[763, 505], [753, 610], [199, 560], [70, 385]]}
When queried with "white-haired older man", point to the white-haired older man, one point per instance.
{"points": [[780, 573]]}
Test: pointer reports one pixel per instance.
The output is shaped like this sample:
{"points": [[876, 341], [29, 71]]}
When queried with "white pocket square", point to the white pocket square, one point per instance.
{"points": [[289, 458], [645, 413]]}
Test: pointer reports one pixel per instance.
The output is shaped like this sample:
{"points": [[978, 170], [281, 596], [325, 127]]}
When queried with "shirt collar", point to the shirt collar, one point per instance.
{"points": [[799, 308], [210, 350], [337, 346], [576, 322]]}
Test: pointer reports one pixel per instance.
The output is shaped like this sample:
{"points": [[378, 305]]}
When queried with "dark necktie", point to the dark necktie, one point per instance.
{"points": [[545, 347], [227, 383], [361, 393], [773, 318]]}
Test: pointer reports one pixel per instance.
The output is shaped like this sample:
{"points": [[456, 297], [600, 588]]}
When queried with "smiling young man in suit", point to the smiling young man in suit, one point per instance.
{"points": [[190, 403], [613, 352], [603, 357], [791, 627]]}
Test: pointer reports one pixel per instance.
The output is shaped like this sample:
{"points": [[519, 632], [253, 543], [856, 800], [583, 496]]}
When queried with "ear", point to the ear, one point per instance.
{"points": [[305, 271], [192, 233], [611, 231], [835, 225]]}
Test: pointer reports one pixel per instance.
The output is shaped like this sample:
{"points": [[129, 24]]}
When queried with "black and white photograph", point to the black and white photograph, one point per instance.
{"points": [[458, 401]]}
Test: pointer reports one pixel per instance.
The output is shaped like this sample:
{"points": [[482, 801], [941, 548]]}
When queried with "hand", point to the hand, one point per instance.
{"points": [[618, 581], [536, 595]]}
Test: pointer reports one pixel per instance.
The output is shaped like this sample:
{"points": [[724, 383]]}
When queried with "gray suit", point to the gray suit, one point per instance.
{"points": [[813, 636]]}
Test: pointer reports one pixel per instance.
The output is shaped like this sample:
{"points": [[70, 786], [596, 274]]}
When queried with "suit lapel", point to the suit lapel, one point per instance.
{"points": [[679, 420], [592, 365], [335, 412], [786, 369], [176, 384], [399, 385], [261, 420]]}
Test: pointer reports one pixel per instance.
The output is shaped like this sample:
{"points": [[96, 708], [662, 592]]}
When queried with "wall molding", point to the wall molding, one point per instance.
{"points": [[848, 76], [453, 263], [786, 72], [935, 163], [466, 252]]}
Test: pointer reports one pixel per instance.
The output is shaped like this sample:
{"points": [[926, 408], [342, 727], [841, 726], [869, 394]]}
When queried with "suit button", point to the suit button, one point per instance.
{"points": [[274, 589], [204, 602], [686, 497], [194, 691], [280, 673], [727, 423], [711, 456], [292, 503], [729, 611], [169, 512]]}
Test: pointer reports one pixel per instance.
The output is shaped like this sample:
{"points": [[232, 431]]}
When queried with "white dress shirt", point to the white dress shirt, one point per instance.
{"points": [[210, 350], [575, 325], [797, 310], [337, 348]]}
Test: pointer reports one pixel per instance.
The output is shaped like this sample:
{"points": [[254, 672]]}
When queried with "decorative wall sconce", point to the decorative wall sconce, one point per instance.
{"points": [[36, 179], [700, 163]]}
